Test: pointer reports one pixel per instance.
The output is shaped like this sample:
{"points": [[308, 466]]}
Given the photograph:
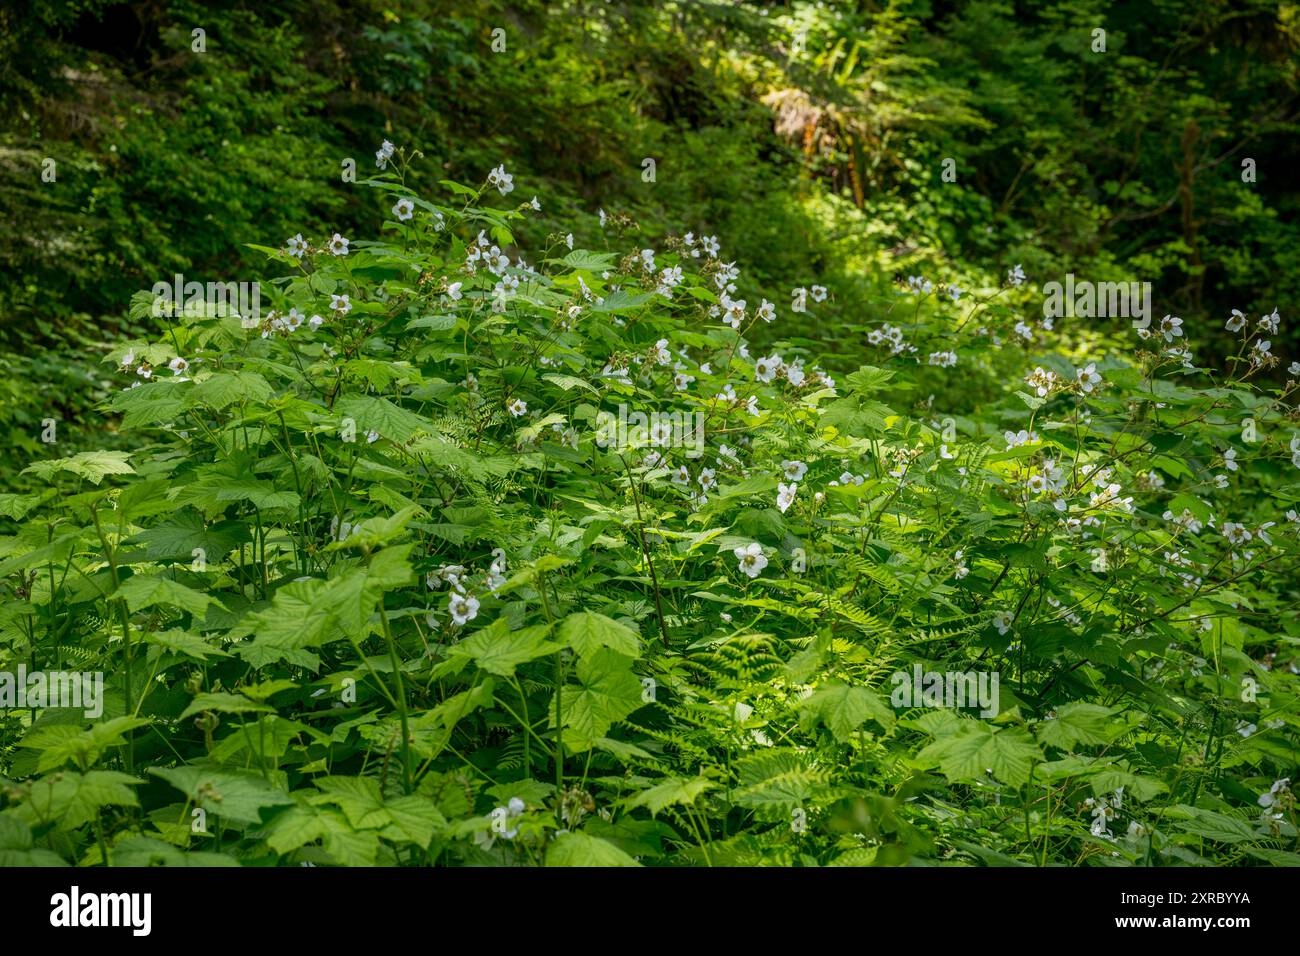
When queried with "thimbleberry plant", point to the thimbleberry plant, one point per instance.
{"points": [[451, 552]]}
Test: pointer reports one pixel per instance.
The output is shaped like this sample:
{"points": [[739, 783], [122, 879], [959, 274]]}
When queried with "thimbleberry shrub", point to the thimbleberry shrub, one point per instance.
{"points": [[448, 555]]}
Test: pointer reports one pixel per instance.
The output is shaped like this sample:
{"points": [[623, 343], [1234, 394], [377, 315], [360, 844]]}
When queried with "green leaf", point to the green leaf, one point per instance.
{"points": [[294, 828], [964, 756], [359, 798], [185, 643], [60, 744], [1211, 825], [227, 387], [372, 413], [844, 709], [588, 631], [609, 691], [499, 650], [579, 849], [149, 590], [221, 703], [91, 465], [16, 845], [178, 539], [1075, 723], [71, 799], [672, 792], [233, 796]]}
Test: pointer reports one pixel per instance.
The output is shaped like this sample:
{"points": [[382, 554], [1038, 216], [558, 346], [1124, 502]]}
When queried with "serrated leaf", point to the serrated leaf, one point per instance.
{"points": [[588, 631], [579, 849]]}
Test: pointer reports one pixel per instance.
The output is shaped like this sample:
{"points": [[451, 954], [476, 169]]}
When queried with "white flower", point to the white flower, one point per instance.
{"points": [[765, 369], [766, 311], [501, 179], [943, 359], [1016, 275], [178, 365], [341, 304], [707, 479], [1087, 377], [516, 407], [372, 437], [462, 607], [819, 293], [1260, 352], [1171, 326], [1041, 380], [1002, 621], [1275, 792], [453, 292], [338, 246], [751, 558], [1236, 322], [1019, 438], [296, 246], [1230, 459], [794, 470], [959, 570], [733, 311], [785, 495], [1236, 533], [1109, 497], [404, 209]]}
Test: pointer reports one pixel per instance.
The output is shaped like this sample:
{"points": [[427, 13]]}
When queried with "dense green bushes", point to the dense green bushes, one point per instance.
{"points": [[386, 578]]}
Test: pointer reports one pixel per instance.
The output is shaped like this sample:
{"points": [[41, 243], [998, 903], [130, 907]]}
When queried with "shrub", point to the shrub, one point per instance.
{"points": [[452, 558]]}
